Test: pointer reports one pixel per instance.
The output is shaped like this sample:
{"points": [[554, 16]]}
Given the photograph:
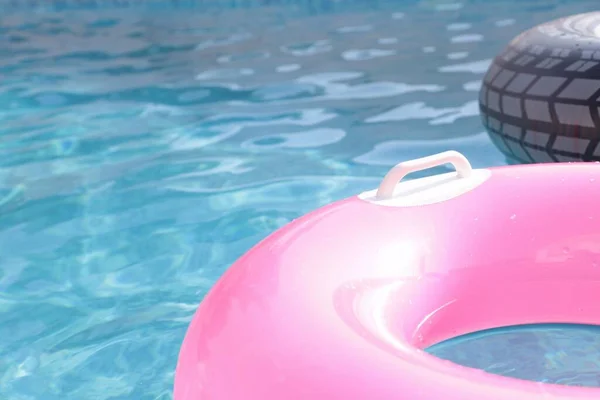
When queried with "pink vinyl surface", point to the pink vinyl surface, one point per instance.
{"points": [[340, 303]]}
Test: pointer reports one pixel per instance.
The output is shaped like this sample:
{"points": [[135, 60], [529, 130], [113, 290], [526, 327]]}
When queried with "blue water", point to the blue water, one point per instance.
{"points": [[553, 353], [144, 149], [550, 353]]}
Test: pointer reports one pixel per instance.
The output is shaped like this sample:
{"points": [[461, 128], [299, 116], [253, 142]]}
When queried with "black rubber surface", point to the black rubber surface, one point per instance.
{"points": [[539, 98]]}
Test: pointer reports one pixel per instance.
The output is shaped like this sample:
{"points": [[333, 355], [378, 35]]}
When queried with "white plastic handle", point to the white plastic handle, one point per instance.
{"points": [[388, 184]]}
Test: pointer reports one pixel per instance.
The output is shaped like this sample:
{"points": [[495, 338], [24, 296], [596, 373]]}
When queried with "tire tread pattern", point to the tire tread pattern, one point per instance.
{"points": [[539, 101]]}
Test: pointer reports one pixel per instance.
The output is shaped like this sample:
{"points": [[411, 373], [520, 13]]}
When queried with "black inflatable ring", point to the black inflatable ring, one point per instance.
{"points": [[539, 99]]}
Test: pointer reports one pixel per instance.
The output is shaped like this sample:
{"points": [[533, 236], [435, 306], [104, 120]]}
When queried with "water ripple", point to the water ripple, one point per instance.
{"points": [[467, 38], [419, 110], [475, 67]]}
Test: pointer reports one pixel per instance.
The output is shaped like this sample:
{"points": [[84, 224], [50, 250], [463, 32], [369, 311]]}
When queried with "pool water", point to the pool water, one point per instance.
{"points": [[550, 353], [144, 148]]}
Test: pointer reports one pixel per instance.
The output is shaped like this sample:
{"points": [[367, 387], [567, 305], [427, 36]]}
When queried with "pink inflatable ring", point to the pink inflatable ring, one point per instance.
{"points": [[340, 303]]}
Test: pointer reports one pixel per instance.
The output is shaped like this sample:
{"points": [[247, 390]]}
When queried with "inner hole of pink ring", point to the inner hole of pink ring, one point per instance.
{"points": [[564, 354]]}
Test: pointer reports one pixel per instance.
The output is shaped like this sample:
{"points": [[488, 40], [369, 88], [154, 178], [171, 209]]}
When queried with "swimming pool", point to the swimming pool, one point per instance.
{"points": [[145, 148]]}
